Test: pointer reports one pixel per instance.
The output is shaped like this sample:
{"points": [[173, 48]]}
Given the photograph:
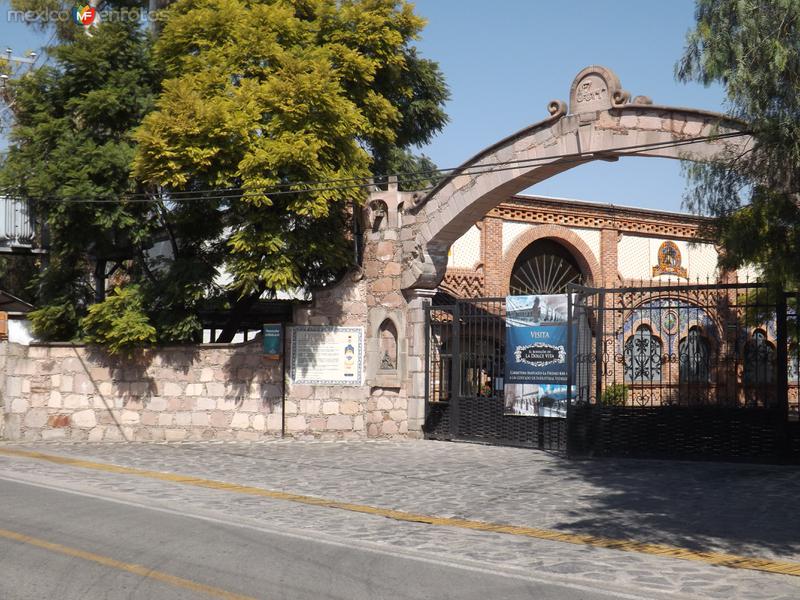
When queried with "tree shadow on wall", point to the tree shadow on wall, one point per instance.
{"points": [[737, 508], [251, 376], [134, 377]]}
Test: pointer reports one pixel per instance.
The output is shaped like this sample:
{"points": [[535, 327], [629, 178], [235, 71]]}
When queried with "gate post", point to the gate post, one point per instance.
{"points": [[455, 371], [782, 358], [426, 306], [598, 346]]}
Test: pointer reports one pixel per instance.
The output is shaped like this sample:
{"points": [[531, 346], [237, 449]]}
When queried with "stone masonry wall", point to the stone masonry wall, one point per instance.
{"points": [[76, 392]]}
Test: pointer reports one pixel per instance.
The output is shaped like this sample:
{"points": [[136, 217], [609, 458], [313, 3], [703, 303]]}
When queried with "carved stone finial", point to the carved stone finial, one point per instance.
{"points": [[596, 88], [642, 100], [557, 108]]}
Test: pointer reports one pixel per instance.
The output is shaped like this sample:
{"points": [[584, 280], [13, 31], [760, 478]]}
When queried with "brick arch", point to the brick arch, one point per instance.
{"points": [[566, 237], [601, 124]]}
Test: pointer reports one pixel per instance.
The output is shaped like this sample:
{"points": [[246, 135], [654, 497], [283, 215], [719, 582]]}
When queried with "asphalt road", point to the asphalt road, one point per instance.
{"points": [[67, 545]]}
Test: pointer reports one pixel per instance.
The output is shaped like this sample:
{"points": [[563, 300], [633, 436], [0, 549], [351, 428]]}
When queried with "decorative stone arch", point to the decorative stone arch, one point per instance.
{"points": [[601, 124], [569, 239]]}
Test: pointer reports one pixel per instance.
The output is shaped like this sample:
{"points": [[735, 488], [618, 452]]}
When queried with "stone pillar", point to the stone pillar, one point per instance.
{"points": [[415, 382]]}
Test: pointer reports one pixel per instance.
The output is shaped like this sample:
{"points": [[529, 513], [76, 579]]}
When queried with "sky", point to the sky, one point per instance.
{"points": [[504, 60]]}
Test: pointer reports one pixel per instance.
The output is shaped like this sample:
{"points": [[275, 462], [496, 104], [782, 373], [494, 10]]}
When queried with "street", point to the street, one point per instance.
{"points": [[234, 561], [348, 520]]}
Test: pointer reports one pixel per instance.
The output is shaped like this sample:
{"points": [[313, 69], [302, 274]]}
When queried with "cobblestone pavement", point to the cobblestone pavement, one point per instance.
{"points": [[749, 510]]}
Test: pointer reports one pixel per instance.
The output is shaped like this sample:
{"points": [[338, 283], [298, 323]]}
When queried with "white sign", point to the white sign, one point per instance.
{"points": [[327, 355]]}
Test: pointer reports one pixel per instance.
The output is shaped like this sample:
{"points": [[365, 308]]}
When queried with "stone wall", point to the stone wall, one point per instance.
{"points": [[73, 392], [206, 392]]}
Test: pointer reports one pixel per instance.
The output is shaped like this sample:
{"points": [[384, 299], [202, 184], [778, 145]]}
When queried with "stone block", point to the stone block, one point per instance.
{"points": [[58, 421], [194, 389], [260, 423], [301, 391], [129, 417], [215, 389], [172, 389], [372, 430], [240, 421], [174, 435], [204, 403], [35, 418], [207, 375], [354, 393], [165, 419], [247, 436], [310, 407], [85, 419], [66, 383], [183, 419], [54, 434], [200, 419], [219, 419], [274, 422], [149, 418], [82, 384], [339, 423], [358, 423], [385, 403], [393, 300], [350, 407], [330, 408], [157, 403], [290, 407], [389, 428], [384, 284], [75, 401], [317, 424], [72, 365], [296, 423]]}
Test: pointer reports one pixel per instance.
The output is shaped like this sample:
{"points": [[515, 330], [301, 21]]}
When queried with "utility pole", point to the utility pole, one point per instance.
{"points": [[12, 67]]}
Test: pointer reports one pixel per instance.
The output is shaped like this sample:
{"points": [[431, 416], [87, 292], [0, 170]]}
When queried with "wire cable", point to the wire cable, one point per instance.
{"points": [[353, 183]]}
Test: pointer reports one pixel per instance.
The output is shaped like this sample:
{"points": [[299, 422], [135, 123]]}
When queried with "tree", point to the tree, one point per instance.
{"points": [[261, 97], [752, 47], [71, 143]]}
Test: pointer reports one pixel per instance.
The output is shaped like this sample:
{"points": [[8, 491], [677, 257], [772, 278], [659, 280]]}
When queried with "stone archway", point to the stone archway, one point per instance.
{"points": [[600, 123], [580, 251]]}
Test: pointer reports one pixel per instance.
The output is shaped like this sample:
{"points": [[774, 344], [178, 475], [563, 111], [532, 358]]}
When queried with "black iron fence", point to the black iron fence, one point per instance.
{"points": [[686, 371]]}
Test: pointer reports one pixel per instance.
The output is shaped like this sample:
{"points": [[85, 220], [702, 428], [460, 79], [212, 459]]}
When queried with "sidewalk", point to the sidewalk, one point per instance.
{"points": [[747, 510]]}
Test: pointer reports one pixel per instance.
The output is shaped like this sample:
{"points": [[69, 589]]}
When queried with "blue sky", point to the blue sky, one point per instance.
{"points": [[505, 60]]}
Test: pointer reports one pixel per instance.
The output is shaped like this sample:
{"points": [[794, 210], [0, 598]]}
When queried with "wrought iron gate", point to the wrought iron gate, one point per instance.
{"points": [[674, 371], [464, 380]]}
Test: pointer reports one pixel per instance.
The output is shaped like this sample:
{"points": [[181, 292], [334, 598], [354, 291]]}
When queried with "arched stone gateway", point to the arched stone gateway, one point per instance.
{"points": [[407, 236], [600, 124]]}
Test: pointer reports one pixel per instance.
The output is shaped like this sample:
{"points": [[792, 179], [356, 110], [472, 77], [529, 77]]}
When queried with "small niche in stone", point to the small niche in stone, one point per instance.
{"points": [[388, 345]]}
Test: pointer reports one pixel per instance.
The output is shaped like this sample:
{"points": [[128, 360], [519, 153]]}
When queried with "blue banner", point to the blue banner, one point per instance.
{"points": [[536, 339]]}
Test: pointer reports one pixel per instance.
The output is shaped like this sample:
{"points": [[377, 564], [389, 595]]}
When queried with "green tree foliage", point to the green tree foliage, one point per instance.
{"points": [[752, 47], [72, 141], [264, 95], [120, 322], [237, 97]]}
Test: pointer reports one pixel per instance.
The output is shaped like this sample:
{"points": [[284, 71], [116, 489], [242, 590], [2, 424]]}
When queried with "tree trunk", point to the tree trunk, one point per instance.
{"points": [[237, 313]]}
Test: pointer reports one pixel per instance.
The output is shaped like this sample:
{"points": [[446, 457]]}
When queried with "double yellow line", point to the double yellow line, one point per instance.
{"points": [[712, 558]]}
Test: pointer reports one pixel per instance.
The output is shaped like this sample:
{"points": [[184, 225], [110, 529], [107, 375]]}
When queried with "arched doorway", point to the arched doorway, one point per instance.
{"points": [[544, 267]]}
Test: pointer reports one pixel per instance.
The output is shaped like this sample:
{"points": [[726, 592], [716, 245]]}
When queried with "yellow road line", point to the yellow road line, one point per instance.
{"points": [[140, 570], [712, 558]]}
